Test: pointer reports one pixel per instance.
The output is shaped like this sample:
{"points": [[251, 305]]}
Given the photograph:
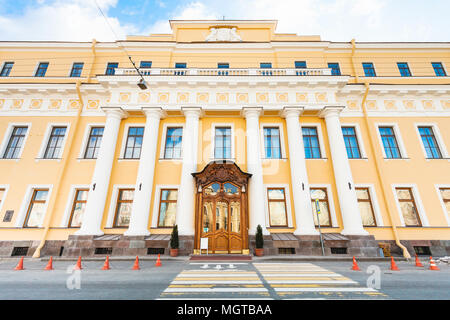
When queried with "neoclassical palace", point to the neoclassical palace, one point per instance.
{"points": [[217, 128]]}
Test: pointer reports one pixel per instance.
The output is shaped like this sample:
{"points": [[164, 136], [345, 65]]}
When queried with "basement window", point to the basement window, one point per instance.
{"points": [[61, 250], [103, 250], [19, 251], [338, 250], [155, 250], [422, 250], [286, 250]]}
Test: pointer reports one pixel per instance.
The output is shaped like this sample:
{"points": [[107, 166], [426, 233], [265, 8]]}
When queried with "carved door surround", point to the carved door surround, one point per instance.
{"points": [[221, 208]]}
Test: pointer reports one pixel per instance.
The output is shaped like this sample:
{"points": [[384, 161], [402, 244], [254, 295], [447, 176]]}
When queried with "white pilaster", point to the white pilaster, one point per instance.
{"points": [[186, 192], [144, 183], [344, 182], [92, 218], [254, 166], [299, 177]]}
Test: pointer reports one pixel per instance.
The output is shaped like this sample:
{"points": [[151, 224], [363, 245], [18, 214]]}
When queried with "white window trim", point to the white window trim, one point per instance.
{"points": [[288, 204], [362, 149], [441, 200], [20, 220], [437, 135], [166, 126], [213, 140], [263, 146], [374, 200], [45, 141], [86, 134], [70, 200], [7, 137], [334, 222], [156, 198], [70, 70], [125, 138], [113, 202], [417, 200], [323, 152], [37, 67], [398, 138], [2, 200]]}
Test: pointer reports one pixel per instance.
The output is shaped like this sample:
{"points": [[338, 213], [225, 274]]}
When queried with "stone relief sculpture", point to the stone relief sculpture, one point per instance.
{"points": [[223, 34]]}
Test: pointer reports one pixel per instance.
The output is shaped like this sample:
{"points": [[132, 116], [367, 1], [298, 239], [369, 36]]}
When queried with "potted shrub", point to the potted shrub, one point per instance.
{"points": [[259, 251], [174, 243]]}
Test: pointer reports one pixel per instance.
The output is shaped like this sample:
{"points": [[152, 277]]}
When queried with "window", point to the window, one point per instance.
{"points": [[145, 64], [324, 216], [78, 207], [351, 143], [174, 138], [265, 65], [311, 143], [123, 208], [365, 207], [94, 142], [430, 143], [223, 65], [6, 69], [36, 208], [335, 70], [439, 69], [15, 143], [389, 143], [300, 64], [222, 143], [404, 69], [272, 145], [2, 193], [167, 207], [55, 143], [134, 143], [445, 193], [180, 65], [408, 207], [369, 69], [111, 68], [76, 69], [41, 70], [277, 207]]}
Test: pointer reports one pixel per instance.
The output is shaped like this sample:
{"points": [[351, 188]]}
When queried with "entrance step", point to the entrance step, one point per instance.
{"points": [[220, 257]]}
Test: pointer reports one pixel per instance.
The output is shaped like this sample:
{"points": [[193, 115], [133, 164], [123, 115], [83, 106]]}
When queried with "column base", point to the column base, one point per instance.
{"points": [[82, 232], [131, 233], [358, 232]]}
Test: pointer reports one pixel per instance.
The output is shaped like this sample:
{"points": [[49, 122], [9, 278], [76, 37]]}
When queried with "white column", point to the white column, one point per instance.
{"points": [[144, 183], [299, 177], [255, 188], [343, 174], [92, 217], [186, 191]]}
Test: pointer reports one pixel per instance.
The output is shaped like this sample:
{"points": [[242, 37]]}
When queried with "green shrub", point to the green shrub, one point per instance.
{"points": [[259, 237], [174, 243]]}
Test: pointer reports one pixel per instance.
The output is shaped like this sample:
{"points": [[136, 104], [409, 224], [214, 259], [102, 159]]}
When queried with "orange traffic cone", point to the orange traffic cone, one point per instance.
{"points": [[355, 265], [49, 264], [78, 265], [158, 262], [136, 264], [393, 265], [19, 265], [433, 265], [418, 263], [106, 265]]}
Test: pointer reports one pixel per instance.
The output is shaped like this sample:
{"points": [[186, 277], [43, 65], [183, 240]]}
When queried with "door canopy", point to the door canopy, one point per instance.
{"points": [[221, 171]]}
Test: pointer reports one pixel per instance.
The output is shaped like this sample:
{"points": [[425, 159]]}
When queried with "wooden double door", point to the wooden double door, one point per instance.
{"points": [[221, 215]]}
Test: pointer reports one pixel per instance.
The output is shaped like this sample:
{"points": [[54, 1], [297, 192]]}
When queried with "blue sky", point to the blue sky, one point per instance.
{"points": [[334, 20]]}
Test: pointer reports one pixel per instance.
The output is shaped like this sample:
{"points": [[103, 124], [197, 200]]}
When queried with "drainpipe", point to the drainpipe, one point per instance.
{"points": [[379, 173], [94, 56], [61, 174], [353, 62]]}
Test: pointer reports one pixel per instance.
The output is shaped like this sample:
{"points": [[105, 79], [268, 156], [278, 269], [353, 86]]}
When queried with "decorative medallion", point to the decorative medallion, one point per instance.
{"points": [[242, 97], [352, 105], [17, 104], [163, 97], [301, 97], [35, 103], [202, 97], [144, 97], [2, 102], [282, 97], [74, 104], [183, 97], [428, 104], [262, 97], [54, 104], [321, 97], [390, 105], [93, 104], [124, 97], [371, 104], [445, 104], [409, 104], [222, 98]]}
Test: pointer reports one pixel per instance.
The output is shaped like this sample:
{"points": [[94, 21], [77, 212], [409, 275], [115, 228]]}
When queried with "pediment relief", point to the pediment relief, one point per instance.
{"points": [[221, 172], [223, 34]]}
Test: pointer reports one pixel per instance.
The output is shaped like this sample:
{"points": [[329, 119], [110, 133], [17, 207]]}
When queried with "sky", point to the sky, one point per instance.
{"points": [[333, 20]]}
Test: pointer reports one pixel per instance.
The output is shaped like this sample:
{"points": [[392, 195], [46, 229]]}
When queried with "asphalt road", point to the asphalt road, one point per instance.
{"points": [[239, 280]]}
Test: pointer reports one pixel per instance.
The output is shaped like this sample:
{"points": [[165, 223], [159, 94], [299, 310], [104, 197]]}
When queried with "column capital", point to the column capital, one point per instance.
{"points": [[115, 112], [192, 111], [155, 112], [252, 111], [292, 111], [329, 111]]}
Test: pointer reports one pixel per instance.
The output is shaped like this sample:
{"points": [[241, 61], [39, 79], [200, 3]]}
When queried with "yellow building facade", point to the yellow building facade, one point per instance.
{"points": [[221, 127]]}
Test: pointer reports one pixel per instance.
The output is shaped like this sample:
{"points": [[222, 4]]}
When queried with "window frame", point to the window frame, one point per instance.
{"points": [[39, 69], [437, 136], [444, 72], [180, 65], [319, 138], [111, 73], [371, 69], [5, 188], [413, 200], [280, 137], [117, 206], [302, 63], [418, 202], [74, 203], [357, 141], [8, 144], [327, 198], [71, 74], [223, 65], [145, 62], [213, 139], [400, 69], [267, 65], [86, 147], [32, 201], [6, 68], [7, 137], [403, 153], [165, 201], [333, 70], [126, 136], [164, 151], [277, 200], [370, 202], [63, 139], [441, 200]]}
